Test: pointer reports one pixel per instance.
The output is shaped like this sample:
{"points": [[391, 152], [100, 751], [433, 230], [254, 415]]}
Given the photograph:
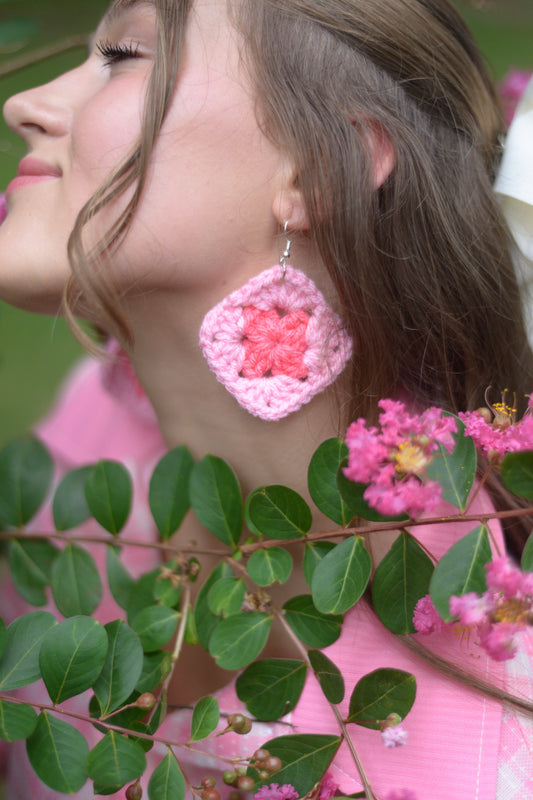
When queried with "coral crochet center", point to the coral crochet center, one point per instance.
{"points": [[275, 343]]}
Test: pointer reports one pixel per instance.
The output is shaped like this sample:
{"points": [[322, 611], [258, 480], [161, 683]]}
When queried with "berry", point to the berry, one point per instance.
{"points": [[238, 723], [246, 783], [210, 794], [146, 701], [134, 792], [272, 764]]}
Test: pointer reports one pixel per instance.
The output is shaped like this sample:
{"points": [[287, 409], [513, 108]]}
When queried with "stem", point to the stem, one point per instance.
{"points": [[28, 59], [479, 486], [369, 794]]}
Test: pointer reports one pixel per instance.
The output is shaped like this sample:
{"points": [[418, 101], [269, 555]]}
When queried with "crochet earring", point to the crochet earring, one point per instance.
{"points": [[275, 343]]}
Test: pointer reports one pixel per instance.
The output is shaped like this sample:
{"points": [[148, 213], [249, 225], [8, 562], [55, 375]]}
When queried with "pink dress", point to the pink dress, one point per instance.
{"points": [[462, 745]]}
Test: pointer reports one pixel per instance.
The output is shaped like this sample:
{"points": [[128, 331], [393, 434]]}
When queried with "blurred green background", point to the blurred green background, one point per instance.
{"points": [[35, 352]]}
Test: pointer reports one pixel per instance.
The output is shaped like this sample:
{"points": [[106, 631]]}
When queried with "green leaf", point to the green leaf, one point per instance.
{"points": [[313, 554], [517, 473], [527, 555], [19, 665], [76, 585], [352, 494], [167, 781], [341, 577], [311, 626], [155, 626], [455, 472], [206, 621], [278, 512], [72, 656], [119, 579], [30, 567], [380, 693], [271, 687], [205, 717], [115, 761], [239, 639], [26, 470], [400, 580], [57, 753], [169, 490], [305, 758], [226, 596], [329, 676], [70, 507], [216, 499], [108, 491], [142, 593], [155, 669], [122, 667], [270, 565], [461, 570], [16, 721], [322, 481]]}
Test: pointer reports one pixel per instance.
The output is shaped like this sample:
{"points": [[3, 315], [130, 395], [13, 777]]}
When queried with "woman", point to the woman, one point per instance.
{"points": [[162, 177]]}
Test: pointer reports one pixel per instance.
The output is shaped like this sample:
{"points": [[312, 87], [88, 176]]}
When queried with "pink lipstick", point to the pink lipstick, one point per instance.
{"points": [[32, 170]]}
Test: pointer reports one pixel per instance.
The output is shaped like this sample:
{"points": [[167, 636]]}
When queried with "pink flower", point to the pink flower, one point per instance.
{"points": [[276, 792], [3, 208], [501, 612], [328, 787], [512, 87], [394, 736], [393, 458], [401, 794], [426, 618], [502, 435]]}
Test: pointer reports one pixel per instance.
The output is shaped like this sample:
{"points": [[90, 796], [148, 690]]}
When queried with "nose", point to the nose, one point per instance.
{"points": [[45, 109]]}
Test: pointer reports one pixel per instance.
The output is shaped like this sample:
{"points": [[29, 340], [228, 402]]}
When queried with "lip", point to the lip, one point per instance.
{"points": [[32, 170]]}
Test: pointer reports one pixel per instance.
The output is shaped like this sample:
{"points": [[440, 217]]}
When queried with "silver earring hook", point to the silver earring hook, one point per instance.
{"points": [[287, 252]]}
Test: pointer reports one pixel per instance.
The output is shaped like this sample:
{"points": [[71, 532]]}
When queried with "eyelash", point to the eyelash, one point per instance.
{"points": [[113, 53]]}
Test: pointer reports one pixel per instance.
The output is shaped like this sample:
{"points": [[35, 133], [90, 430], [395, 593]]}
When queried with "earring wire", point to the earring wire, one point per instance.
{"points": [[287, 252]]}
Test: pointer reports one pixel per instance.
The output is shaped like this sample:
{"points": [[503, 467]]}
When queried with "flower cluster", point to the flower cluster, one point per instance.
{"points": [[3, 208], [393, 458], [392, 731], [276, 792], [511, 88], [498, 614], [496, 431]]}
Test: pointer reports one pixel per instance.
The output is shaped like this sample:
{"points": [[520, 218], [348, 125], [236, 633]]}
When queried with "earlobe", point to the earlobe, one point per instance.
{"points": [[289, 207]]}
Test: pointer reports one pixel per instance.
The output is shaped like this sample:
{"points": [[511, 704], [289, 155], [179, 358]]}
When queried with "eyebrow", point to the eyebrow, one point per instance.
{"points": [[119, 7]]}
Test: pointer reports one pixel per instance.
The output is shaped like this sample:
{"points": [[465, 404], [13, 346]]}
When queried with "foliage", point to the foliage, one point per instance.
{"points": [[125, 666]]}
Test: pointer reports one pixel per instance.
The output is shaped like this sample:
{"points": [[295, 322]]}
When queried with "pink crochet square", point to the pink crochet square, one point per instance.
{"points": [[275, 343]]}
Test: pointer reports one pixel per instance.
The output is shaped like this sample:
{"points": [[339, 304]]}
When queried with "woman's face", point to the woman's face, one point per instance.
{"points": [[213, 179]]}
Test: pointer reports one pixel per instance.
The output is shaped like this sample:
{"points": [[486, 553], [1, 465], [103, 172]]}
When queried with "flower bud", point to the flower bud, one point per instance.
{"points": [[134, 792], [209, 782], [246, 783], [261, 754], [230, 777], [235, 795], [272, 764], [146, 701], [210, 794], [238, 723]]}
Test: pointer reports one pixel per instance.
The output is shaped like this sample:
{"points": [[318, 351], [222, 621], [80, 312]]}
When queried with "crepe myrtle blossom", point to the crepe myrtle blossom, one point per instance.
{"points": [[393, 457], [392, 731], [3, 208], [498, 615], [496, 429], [276, 792]]}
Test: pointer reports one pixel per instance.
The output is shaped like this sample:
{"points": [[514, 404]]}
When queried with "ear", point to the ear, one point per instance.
{"points": [[383, 154], [289, 207]]}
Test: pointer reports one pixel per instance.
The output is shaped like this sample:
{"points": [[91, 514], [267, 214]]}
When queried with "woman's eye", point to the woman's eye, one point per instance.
{"points": [[112, 53]]}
